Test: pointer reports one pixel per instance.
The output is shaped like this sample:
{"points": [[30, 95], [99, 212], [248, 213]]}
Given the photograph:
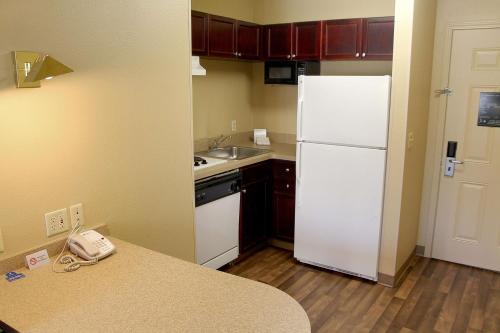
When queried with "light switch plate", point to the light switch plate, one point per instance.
{"points": [[2, 248]]}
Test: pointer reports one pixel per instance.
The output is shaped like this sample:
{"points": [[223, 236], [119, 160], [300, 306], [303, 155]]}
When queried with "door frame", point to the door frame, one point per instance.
{"points": [[436, 129]]}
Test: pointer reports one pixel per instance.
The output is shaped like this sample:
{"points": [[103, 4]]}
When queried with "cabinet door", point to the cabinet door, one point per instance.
{"points": [[248, 40], [278, 41], [306, 41], [254, 214], [283, 216], [342, 39], [199, 33], [222, 37], [378, 38]]}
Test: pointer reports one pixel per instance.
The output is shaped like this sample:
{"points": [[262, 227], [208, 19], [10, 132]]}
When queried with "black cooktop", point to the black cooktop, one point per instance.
{"points": [[199, 160]]}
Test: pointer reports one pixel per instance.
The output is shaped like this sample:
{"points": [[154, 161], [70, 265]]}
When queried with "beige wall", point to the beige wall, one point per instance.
{"points": [[418, 111], [115, 135], [397, 135], [222, 96], [409, 109], [448, 12], [282, 11], [239, 9]]}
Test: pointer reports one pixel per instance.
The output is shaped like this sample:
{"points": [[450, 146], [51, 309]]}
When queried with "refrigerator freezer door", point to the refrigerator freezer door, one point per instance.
{"points": [[339, 207], [344, 110]]}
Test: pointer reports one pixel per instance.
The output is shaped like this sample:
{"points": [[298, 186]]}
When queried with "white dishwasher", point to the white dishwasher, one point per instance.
{"points": [[217, 219]]}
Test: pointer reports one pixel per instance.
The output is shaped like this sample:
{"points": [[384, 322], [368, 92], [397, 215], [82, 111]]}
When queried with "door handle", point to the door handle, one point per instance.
{"points": [[449, 167], [298, 175], [299, 117]]}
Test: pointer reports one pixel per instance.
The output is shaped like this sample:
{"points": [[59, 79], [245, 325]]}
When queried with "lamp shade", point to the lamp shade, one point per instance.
{"points": [[46, 67]]}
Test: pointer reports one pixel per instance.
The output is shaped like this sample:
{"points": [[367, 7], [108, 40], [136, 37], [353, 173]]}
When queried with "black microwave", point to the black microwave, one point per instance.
{"points": [[287, 72]]}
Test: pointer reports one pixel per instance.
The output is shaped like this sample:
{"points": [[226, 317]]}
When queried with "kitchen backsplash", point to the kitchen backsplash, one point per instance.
{"points": [[244, 137]]}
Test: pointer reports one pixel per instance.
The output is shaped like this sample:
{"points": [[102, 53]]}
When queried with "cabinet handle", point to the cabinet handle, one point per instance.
{"points": [[235, 54], [357, 55], [287, 170], [287, 186], [243, 191], [363, 55], [239, 54], [288, 56], [293, 56]]}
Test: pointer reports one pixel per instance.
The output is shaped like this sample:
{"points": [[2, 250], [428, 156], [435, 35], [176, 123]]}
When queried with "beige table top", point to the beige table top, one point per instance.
{"points": [[138, 290], [280, 151]]}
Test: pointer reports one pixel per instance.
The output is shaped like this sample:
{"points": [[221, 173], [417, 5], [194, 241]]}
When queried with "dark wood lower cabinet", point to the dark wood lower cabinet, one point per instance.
{"points": [[267, 207], [283, 223], [255, 206], [283, 216]]}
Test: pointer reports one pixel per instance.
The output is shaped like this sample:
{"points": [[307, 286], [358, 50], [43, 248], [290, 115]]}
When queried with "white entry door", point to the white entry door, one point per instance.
{"points": [[468, 214]]}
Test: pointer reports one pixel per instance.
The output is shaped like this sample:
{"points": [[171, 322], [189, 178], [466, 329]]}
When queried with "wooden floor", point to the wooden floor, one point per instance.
{"points": [[436, 296]]}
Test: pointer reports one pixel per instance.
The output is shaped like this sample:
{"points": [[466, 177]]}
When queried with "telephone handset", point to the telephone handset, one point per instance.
{"points": [[90, 245]]}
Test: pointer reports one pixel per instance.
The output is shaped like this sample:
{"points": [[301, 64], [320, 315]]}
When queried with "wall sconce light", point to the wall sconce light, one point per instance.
{"points": [[32, 67]]}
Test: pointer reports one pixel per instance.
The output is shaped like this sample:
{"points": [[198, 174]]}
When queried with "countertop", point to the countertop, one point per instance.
{"points": [[281, 151], [138, 290]]}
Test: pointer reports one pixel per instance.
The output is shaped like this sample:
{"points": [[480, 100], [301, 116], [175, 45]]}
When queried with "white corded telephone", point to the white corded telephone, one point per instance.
{"points": [[89, 245]]}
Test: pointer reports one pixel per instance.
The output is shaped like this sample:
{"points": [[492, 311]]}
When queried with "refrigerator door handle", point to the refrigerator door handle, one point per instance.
{"points": [[299, 117], [298, 175]]}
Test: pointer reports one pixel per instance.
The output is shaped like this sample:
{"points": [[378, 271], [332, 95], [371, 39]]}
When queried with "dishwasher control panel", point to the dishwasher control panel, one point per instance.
{"points": [[217, 187]]}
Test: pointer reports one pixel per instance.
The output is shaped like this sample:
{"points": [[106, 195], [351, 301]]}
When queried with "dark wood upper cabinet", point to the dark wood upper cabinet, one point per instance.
{"points": [[221, 37], [353, 39], [346, 39], [378, 38], [306, 40], [342, 39], [293, 41], [248, 40], [278, 41], [199, 33]]}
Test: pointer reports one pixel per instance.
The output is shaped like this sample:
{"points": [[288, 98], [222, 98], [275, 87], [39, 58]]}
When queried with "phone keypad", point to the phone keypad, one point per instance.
{"points": [[100, 243]]}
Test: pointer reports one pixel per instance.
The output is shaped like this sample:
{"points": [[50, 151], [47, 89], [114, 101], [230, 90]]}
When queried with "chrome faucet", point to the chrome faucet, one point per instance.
{"points": [[219, 141]]}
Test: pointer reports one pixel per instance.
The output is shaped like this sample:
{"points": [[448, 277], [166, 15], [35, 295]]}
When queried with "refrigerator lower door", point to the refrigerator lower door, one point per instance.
{"points": [[339, 198], [344, 110]]}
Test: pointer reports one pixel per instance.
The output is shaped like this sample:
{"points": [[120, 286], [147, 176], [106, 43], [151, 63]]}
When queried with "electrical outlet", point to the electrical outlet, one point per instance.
{"points": [[2, 248], [76, 215], [56, 222], [233, 125]]}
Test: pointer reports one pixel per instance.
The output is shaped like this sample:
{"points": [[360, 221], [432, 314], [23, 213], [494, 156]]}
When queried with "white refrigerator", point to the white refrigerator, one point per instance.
{"points": [[342, 124]]}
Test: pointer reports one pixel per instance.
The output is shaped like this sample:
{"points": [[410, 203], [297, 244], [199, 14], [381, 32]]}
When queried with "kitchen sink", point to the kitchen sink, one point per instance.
{"points": [[234, 152]]}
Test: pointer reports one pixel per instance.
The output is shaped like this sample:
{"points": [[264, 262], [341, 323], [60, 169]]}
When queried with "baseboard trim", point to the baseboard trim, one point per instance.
{"points": [[395, 281], [420, 250], [53, 247]]}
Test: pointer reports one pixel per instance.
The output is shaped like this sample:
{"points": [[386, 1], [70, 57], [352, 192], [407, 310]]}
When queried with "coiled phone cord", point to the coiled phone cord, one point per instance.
{"points": [[72, 264]]}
